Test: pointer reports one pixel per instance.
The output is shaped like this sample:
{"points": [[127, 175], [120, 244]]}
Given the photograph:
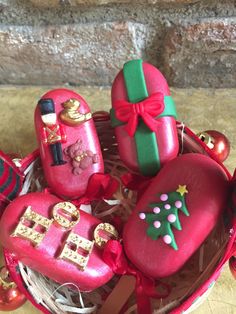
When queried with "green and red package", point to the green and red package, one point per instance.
{"points": [[143, 114], [10, 180]]}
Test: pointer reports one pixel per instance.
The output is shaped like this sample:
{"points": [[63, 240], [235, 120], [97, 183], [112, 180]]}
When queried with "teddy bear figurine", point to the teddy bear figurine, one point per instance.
{"points": [[80, 159]]}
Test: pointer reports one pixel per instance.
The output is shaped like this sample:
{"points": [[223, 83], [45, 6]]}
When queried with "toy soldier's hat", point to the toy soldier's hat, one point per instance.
{"points": [[46, 106]]}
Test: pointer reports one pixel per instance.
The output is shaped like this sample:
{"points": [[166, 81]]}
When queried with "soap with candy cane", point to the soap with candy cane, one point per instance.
{"points": [[143, 114], [69, 146], [176, 214]]}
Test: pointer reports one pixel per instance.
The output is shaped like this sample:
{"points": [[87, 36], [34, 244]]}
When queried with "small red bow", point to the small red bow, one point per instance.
{"points": [[145, 288], [100, 186], [148, 109]]}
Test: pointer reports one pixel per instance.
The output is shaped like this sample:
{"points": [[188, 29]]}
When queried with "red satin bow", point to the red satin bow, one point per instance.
{"points": [[100, 186], [148, 110], [145, 287], [135, 182]]}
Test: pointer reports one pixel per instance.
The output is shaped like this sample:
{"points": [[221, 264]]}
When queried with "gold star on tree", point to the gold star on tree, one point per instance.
{"points": [[182, 190]]}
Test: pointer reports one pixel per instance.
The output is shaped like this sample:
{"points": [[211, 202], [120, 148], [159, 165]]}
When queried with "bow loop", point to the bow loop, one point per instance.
{"points": [[148, 109], [145, 287]]}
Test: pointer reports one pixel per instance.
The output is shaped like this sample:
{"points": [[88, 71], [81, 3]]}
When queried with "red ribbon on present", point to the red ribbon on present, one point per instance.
{"points": [[100, 186], [148, 109], [145, 288], [135, 182]]}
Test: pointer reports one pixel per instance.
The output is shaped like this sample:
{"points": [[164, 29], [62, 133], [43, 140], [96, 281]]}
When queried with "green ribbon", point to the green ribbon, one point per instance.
{"points": [[146, 141], [13, 193]]}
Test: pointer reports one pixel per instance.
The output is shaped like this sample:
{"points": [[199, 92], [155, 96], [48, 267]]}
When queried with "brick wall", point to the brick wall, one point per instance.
{"points": [[86, 42]]}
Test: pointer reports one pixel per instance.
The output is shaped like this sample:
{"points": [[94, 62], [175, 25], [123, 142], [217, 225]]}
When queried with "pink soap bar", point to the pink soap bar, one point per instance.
{"points": [[32, 228], [189, 193], [68, 142], [165, 132]]}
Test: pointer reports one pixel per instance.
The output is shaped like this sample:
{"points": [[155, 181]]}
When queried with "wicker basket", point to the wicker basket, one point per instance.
{"points": [[189, 287]]}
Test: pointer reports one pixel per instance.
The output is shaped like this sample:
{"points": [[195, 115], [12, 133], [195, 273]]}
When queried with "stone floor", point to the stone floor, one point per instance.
{"points": [[200, 109]]}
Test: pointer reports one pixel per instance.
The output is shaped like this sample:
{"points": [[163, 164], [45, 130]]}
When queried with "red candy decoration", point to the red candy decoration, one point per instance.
{"points": [[56, 239], [68, 142], [10, 296], [217, 142], [175, 214]]}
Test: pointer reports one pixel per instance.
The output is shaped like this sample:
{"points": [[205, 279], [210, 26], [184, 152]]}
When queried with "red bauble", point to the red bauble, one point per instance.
{"points": [[217, 142], [232, 266], [10, 296]]}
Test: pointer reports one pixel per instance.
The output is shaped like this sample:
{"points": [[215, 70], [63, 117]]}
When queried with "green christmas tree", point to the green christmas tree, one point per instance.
{"points": [[165, 215]]}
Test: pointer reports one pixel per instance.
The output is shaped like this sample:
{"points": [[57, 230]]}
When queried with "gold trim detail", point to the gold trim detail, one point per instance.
{"points": [[77, 250], [109, 230]]}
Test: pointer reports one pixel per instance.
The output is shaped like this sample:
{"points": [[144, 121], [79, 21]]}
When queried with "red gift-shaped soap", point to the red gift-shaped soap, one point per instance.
{"points": [[68, 142], [175, 214], [56, 239], [143, 114]]}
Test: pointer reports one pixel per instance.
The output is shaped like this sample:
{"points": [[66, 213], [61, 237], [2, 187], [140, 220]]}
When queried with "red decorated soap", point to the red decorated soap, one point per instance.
{"points": [[175, 214], [56, 239], [68, 142], [143, 114], [11, 180]]}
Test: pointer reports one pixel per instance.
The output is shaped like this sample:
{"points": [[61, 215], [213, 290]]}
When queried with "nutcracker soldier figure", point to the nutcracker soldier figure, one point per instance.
{"points": [[53, 134]]}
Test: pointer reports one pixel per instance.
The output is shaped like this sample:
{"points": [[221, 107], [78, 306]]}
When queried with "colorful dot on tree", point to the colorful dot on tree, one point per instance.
{"points": [[167, 239], [164, 197], [156, 210], [171, 218], [178, 204], [167, 206], [157, 224], [142, 216]]}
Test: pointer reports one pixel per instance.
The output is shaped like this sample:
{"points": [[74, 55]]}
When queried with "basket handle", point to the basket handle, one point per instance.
{"points": [[231, 247], [232, 258]]}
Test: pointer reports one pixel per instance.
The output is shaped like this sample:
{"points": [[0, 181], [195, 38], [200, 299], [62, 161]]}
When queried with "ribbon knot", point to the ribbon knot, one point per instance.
{"points": [[148, 109], [145, 287], [138, 108]]}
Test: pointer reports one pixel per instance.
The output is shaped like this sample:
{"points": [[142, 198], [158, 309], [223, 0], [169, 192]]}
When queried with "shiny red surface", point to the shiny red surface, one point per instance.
{"points": [[207, 196], [166, 133], [221, 144], [44, 257], [11, 299], [61, 178], [12, 265]]}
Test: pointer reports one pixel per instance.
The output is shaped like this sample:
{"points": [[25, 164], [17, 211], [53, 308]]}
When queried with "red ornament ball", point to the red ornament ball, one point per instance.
{"points": [[10, 296], [232, 266], [217, 142]]}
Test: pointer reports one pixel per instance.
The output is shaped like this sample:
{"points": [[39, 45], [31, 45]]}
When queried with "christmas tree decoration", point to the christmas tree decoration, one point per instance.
{"points": [[57, 239], [143, 114], [10, 296], [217, 142], [165, 216], [64, 128], [175, 214]]}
